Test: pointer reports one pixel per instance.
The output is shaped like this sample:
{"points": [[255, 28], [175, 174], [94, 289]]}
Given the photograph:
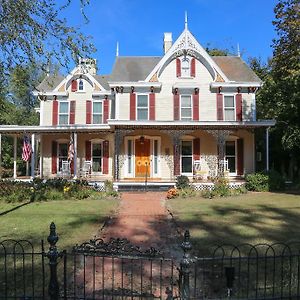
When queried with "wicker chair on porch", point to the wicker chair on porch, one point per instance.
{"points": [[200, 173], [65, 169], [85, 171]]}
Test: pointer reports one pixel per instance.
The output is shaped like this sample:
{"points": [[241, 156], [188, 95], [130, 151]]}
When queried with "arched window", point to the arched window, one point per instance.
{"points": [[80, 85], [185, 67]]}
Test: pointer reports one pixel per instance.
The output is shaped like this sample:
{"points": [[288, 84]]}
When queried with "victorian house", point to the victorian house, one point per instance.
{"points": [[153, 117]]}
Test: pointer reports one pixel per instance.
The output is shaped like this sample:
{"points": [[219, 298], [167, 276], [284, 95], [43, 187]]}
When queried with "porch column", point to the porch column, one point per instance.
{"points": [[32, 155], [15, 157], [41, 156], [267, 148], [0, 155], [75, 155]]}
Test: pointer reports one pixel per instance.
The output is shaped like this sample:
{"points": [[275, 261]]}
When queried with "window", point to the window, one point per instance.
{"points": [[97, 112], [97, 157], [186, 157], [185, 67], [155, 157], [186, 108], [229, 109], [62, 154], [63, 112], [142, 107], [230, 156], [80, 85]]}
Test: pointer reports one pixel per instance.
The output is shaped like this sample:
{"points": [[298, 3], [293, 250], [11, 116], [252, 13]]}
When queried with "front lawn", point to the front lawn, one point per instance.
{"points": [[250, 218], [76, 220]]}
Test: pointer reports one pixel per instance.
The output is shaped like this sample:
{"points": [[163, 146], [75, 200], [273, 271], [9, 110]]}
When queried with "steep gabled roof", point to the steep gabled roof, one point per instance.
{"points": [[133, 68], [236, 69], [49, 83], [103, 80]]}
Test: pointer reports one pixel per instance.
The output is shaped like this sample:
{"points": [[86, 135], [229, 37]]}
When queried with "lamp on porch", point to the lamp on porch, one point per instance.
{"points": [[142, 140]]}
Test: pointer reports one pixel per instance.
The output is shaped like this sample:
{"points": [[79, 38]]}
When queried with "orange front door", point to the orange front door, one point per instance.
{"points": [[142, 158]]}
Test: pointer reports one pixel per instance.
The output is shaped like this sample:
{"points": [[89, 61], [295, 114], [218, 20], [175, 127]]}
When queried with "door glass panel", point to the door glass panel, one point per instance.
{"points": [[230, 156], [186, 148], [155, 154], [129, 146], [97, 157]]}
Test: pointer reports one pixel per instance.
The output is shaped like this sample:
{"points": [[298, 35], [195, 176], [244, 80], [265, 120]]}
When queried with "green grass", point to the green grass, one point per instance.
{"points": [[250, 218], [76, 220]]}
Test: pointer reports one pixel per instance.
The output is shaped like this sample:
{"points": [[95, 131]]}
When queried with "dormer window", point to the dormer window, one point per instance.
{"points": [[185, 67], [80, 85]]}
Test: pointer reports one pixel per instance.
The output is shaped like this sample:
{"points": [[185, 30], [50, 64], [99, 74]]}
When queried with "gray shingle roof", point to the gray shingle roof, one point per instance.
{"points": [[235, 69], [103, 80], [133, 68], [50, 83]]}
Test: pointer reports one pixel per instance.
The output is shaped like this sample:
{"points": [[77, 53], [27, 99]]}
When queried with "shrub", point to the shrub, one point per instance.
{"points": [[187, 192], [257, 182], [182, 182], [276, 181]]}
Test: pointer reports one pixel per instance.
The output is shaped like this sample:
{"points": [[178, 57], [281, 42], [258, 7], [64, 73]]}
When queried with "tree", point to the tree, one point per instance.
{"points": [[31, 30], [279, 97]]}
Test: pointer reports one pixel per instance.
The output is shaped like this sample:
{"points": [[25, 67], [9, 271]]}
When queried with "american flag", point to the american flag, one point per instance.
{"points": [[71, 150], [26, 151]]}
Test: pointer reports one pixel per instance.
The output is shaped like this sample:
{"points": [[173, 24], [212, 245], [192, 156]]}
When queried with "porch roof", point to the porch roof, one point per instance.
{"points": [[191, 125], [16, 129]]}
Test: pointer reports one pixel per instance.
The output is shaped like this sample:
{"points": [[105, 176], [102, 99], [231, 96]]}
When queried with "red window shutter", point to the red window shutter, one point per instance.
{"points": [[88, 150], [176, 160], [72, 112], [105, 157], [239, 109], [196, 149], [178, 67], [55, 112], [105, 110], [196, 107], [88, 112], [193, 67], [176, 106], [54, 157], [240, 157], [152, 106], [74, 85], [220, 107], [132, 106]]}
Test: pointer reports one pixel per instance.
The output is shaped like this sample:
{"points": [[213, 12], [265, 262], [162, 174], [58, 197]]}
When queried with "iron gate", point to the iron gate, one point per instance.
{"points": [[117, 270]]}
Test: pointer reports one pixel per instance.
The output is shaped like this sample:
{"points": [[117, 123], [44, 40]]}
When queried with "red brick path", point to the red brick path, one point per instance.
{"points": [[143, 220]]}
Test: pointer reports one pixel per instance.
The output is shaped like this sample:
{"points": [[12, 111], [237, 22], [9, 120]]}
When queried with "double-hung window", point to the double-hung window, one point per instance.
{"points": [[186, 108], [229, 108], [63, 112], [97, 112], [142, 107]]}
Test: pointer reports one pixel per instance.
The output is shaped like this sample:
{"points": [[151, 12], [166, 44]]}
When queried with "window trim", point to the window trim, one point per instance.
{"points": [[64, 114], [180, 107], [185, 173], [137, 107], [234, 105], [102, 114]]}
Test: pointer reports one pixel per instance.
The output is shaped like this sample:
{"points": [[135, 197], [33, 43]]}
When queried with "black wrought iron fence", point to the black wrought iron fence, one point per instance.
{"points": [[115, 269]]}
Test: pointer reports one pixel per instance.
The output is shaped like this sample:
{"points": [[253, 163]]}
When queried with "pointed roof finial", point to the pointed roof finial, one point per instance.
{"points": [[238, 50], [117, 50], [186, 21]]}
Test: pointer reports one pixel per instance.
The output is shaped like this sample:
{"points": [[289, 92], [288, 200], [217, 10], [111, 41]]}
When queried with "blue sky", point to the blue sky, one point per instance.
{"points": [[139, 25]]}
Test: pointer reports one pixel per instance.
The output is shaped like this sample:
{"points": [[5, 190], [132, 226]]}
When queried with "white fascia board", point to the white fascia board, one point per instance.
{"points": [[135, 84], [101, 93], [263, 123], [53, 93], [50, 129], [235, 84]]}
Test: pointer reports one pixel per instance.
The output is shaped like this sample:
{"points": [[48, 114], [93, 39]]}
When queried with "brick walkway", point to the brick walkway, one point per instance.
{"points": [[143, 220]]}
